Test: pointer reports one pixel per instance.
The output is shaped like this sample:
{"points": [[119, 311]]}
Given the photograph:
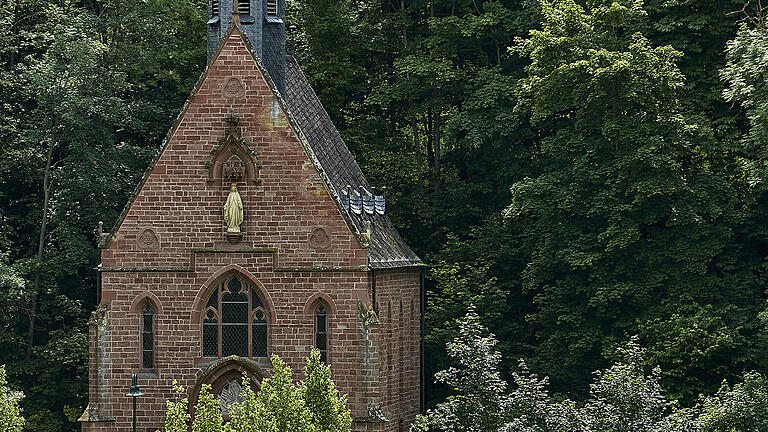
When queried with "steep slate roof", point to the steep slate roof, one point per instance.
{"points": [[387, 249]]}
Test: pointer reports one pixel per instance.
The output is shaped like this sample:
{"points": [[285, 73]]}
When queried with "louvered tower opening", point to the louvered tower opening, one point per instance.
{"points": [[214, 8], [272, 7], [244, 7]]}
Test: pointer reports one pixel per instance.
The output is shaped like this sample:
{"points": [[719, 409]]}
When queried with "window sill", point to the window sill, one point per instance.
{"points": [[204, 362], [272, 19], [147, 373]]}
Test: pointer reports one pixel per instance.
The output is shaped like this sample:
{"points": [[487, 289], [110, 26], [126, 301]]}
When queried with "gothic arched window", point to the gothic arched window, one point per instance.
{"points": [[321, 332], [147, 337], [234, 322]]}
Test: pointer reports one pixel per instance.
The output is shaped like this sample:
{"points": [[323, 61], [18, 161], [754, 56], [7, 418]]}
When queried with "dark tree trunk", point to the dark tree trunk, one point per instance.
{"points": [[40, 250]]}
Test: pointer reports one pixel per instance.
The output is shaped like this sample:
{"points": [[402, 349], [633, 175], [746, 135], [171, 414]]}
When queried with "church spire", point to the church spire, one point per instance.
{"points": [[262, 21]]}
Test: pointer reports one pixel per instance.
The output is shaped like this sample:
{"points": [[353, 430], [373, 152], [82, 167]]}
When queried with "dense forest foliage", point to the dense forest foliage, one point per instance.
{"points": [[581, 172]]}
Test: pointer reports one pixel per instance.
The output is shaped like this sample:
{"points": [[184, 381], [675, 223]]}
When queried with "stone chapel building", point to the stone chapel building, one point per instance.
{"points": [[254, 232]]}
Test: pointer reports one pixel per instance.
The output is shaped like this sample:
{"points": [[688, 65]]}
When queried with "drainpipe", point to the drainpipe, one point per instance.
{"points": [[373, 291], [98, 284], [423, 308]]}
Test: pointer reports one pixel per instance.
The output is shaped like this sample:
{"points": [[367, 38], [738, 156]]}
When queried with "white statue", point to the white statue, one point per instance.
{"points": [[233, 211]]}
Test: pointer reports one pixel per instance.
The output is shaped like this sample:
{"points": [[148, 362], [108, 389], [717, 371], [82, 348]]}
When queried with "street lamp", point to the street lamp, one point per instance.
{"points": [[134, 392]]}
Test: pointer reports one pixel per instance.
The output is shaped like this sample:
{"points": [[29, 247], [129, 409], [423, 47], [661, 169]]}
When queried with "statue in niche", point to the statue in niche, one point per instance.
{"points": [[233, 212]]}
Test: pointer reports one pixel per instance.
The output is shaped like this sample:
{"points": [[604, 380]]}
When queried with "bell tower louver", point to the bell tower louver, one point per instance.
{"points": [[263, 22]]}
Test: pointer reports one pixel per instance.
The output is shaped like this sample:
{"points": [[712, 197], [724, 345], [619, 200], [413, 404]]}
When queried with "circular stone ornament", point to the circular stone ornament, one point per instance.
{"points": [[234, 88], [148, 240], [319, 239]]}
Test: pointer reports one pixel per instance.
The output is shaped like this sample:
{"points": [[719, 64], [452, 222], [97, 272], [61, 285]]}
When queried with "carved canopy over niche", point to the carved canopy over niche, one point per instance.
{"points": [[231, 160]]}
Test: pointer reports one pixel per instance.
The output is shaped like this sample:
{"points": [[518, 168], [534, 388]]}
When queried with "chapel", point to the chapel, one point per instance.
{"points": [[254, 232]]}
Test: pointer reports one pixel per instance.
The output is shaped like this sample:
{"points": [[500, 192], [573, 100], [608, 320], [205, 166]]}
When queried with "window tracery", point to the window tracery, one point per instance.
{"points": [[234, 322]]}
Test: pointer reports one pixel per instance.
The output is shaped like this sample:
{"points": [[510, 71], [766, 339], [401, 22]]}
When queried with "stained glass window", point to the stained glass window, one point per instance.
{"points": [[234, 322], [321, 332], [147, 338]]}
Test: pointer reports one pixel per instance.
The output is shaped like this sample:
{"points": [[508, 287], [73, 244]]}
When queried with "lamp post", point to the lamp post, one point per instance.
{"points": [[134, 392]]}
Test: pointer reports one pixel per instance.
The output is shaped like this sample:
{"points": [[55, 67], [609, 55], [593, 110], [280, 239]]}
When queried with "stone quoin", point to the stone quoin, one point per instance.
{"points": [[314, 263]]}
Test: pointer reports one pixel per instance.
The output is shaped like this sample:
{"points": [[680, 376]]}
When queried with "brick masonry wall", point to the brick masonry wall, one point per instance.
{"points": [[398, 299], [186, 261]]}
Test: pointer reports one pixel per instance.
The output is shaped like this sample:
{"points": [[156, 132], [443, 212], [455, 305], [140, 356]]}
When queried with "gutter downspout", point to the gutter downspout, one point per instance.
{"points": [[373, 291], [422, 378], [98, 283]]}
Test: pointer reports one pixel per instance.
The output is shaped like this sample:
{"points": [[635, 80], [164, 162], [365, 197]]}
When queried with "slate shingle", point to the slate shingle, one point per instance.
{"points": [[387, 248]]}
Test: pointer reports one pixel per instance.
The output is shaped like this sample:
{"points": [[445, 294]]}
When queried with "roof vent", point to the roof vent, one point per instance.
{"points": [[368, 205], [355, 201], [362, 201]]}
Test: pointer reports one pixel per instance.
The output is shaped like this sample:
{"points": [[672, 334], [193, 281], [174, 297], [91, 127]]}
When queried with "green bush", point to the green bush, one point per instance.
{"points": [[10, 413], [622, 398], [313, 405]]}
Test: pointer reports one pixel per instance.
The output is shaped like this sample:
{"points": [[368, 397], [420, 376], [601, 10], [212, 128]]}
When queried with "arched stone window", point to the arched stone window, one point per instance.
{"points": [[321, 331], [321, 310], [235, 321], [147, 309], [147, 337]]}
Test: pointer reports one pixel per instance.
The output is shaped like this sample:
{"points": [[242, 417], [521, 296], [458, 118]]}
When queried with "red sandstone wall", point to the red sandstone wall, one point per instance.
{"points": [[178, 336], [398, 299], [186, 212]]}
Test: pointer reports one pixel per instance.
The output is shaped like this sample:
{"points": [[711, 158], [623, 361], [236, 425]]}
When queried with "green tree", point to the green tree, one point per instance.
{"points": [[625, 218], [282, 406], [622, 397], [207, 416], [328, 410], [313, 405], [480, 402], [10, 413], [177, 412]]}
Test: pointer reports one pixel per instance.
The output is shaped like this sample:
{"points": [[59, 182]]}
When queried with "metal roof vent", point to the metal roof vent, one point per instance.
{"points": [[362, 201]]}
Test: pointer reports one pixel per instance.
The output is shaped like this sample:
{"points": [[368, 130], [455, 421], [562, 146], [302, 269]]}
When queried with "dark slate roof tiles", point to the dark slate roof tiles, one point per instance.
{"points": [[387, 249]]}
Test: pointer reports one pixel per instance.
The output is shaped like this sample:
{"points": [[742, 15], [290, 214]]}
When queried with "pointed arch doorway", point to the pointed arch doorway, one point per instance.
{"points": [[225, 377]]}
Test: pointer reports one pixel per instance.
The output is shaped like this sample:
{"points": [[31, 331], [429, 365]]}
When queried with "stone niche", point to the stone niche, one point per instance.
{"points": [[232, 161]]}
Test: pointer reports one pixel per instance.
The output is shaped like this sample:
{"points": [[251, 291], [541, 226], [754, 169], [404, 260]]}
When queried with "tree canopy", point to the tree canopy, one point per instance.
{"points": [[579, 171]]}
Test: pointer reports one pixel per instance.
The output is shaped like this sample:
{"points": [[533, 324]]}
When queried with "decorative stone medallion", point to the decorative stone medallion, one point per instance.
{"points": [[230, 394], [319, 239], [148, 240], [234, 88]]}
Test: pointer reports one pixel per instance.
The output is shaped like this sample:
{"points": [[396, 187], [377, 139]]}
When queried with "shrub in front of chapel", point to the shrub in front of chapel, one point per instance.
{"points": [[327, 409], [313, 405], [10, 413]]}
